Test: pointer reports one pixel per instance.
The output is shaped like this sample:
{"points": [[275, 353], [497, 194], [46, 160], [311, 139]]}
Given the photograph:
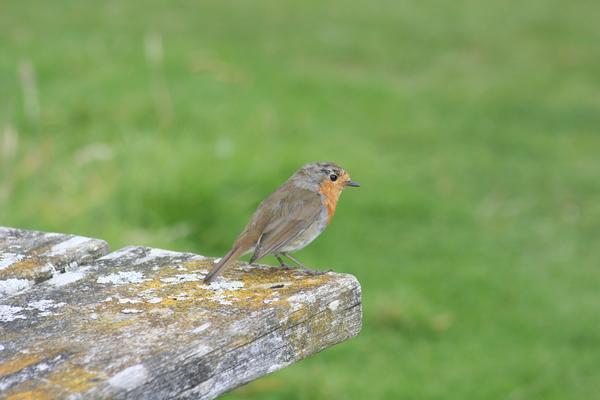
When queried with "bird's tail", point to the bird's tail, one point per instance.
{"points": [[233, 254]]}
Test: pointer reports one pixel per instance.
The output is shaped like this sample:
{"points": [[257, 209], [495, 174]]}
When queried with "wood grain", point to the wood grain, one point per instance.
{"points": [[139, 323]]}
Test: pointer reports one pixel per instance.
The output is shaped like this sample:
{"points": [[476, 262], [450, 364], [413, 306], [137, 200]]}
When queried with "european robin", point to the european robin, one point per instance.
{"points": [[291, 217]]}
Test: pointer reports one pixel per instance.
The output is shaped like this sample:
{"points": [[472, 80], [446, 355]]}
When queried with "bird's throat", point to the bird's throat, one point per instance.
{"points": [[330, 193]]}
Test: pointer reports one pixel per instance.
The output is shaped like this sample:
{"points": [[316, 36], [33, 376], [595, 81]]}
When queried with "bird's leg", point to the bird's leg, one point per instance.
{"points": [[287, 255], [306, 270], [281, 263]]}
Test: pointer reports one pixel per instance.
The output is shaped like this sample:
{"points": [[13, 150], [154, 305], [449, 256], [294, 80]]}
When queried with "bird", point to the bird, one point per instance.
{"points": [[291, 217]]}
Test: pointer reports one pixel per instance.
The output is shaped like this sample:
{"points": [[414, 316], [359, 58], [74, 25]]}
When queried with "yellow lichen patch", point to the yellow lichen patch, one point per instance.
{"points": [[298, 316], [160, 300], [17, 364], [29, 395], [28, 268], [109, 322], [203, 263], [42, 250], [315, 325], [74, 379]]}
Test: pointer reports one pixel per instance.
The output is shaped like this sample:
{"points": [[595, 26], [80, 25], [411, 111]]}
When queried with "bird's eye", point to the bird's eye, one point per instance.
{"points": [[333, 177]]}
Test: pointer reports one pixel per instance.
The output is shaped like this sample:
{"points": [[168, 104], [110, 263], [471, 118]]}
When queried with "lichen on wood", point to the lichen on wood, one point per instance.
{"points": [[140, 323], [29, 257]]}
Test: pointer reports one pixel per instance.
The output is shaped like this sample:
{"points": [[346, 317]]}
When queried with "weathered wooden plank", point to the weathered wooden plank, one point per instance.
{"points": [[139, 323], [28, 257]]}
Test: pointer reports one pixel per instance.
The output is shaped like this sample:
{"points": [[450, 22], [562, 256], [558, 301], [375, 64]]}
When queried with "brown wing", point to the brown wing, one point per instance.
{"points": [[288, 215]]}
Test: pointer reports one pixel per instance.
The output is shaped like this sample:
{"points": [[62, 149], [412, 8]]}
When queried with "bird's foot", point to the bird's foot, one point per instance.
{"points": [[282, 264]]}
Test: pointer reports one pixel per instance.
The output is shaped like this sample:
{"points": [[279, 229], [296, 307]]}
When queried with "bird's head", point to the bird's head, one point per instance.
{"points": [[321, 175]]}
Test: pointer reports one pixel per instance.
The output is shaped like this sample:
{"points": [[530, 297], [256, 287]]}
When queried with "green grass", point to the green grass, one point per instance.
{"points": [[473, 126]]}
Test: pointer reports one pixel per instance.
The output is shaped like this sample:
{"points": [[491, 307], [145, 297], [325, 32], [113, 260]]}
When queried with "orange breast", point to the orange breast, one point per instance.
{"points": [[331, 193]]}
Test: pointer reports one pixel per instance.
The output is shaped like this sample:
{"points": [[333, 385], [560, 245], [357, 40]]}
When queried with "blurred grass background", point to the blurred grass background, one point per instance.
{"points": [[472, 126]]}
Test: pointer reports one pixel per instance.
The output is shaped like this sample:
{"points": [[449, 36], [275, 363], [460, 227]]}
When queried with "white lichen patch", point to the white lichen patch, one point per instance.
{"points": [[42, 367], [154, 300], [181, 296], [44, 305], [301, 297], [334, 305], [65, 278], [179, 278], [272, 300], [49, 267], [222, 289], [122, 277], [221, 297], [201, 328], [131, 311], [118, 254], [1, 347], [62, 248], [10, 313], [129, 301], [223, 284], [8, 259], [129, 378], [9, 287], [50, 235], [156, 253], [298, 300], [202, 349]]}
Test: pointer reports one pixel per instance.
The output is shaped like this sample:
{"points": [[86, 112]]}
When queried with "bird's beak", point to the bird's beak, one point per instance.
{"points": [[352, 183]]}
